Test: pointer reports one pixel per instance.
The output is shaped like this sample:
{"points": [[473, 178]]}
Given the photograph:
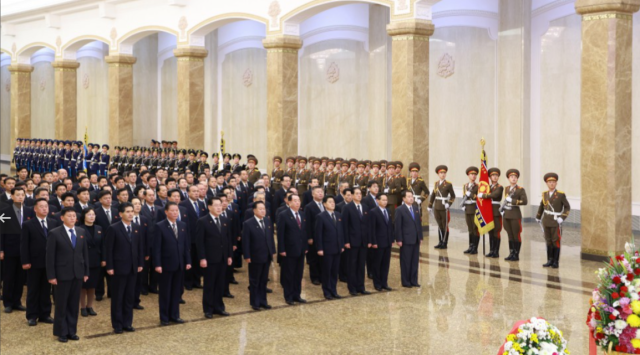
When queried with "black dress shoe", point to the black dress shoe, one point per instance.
{"points": [[98, 298], [290, 303], [365, 292], [189, 288], [228, 295], [197, 286], [144, 293], [387, 288], [416, 285], [233, 282], [47, 320], [379, 289], [337, 297], [83, 312], [32, 322], [178, 320], [266, 306], [407, 286], [269, 290], [223, 313], [208, 315], [19, 308], [255, 308], [138, 307], [117, 331], [316, 282], [353, 293], [62, 339], [74, 337], [164, 323], [301, 300], [8, 309], [129, 329], [370, 276], [89, 310], [182, 301], [153, 291], [329, 297]]}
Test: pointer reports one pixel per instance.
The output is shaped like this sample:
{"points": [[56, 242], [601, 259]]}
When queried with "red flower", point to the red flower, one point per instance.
{"points": [[600, 336], [612, 317], [622, 294], [620, 257], [624, 288], [636, 271], [630, 277], [615, 295], [616, 280], [597, 316]]}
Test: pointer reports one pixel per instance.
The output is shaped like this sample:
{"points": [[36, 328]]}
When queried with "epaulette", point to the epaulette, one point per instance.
{"points": [[420, 179], [520, 187], [560, 192], [447, 181]]}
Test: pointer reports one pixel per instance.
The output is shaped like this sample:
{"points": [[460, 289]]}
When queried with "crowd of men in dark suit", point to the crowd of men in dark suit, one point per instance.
{"points": [[152, 233]]}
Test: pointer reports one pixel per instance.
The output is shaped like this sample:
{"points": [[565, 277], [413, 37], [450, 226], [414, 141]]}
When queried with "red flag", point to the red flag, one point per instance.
{"points": [[484, 210]]}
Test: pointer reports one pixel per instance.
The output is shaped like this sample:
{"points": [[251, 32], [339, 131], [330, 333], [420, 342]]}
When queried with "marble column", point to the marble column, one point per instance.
{"points": [[191, 96], [20, 102], [379, 131], [605, 110], [66, 75], [120, 99], [410, 91], [282, 96]]}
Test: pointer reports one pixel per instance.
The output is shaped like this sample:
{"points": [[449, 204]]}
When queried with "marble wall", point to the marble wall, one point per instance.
{"points": [[244, 102], [211, 130], [93, 95], [462, 105], [5, 110], [145, 90], [43, 113], [169, 98], [334, 99], [635, 111], [560, 103], [379, 128]]}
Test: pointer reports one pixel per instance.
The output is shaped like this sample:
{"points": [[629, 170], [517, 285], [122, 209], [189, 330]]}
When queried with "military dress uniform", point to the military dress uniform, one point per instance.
{"points": [[291, 171], [470, 192], [330, 181], [440, 200], [255, 174], [302, 178], [276, 177], [419, 189], [361, 180], [397, 184], [317, 174], [104, 161], [495, 195], [516, 196], [554, 209], [203, 165]]}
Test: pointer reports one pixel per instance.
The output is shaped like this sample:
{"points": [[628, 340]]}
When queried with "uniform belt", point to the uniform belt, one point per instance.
{"points": [[495, 202], [442, 198], [469, 202], [553, 213]]}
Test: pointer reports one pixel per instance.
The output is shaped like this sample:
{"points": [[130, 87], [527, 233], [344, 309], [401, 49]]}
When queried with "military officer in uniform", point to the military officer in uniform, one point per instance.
{"points": [[418, 187], [215, 164], [397, 184], [515, 196], [495, 195], [344, 175], [330, 178], [203, 165], [470, 191], [361, 179], [553, 211], [252, 170], [317, 173], [291, 169], [302, 176], [276, 175], [440, 201], [236, 167], [226, 164], [104, 160]]}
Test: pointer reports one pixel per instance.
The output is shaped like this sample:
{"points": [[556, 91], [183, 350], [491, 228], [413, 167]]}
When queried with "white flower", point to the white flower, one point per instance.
{"points": [[628, 247], [638, 334], [508, 345], [620, 324]]}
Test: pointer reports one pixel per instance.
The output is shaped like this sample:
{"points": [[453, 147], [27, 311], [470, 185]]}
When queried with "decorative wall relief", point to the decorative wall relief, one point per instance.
{"points": [[446, 66], [85, 81], [274, 11], [113, 35], [43, 84], [7, 85], [182, 25], [247, 78], [333, 73]]}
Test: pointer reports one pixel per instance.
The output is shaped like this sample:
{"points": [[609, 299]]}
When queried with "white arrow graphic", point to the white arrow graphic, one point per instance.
{"points": [[2, 218]]}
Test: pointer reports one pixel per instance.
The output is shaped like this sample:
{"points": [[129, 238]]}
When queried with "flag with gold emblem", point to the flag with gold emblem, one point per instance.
{"points": [[484, 210]]}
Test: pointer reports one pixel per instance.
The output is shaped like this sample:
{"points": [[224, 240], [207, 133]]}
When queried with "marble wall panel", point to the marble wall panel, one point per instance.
{"points": [[635, 111], [145, 91], [93, 99], [334, 100], [169, 99], [211, 129], [379, 133], [43, 112], [244, 102], [5, 111]]}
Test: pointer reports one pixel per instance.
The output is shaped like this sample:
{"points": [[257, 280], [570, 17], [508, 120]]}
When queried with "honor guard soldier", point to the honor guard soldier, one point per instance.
{"points": [[115, 159], [236, 167], [276, 175], [361, 179], [515, 196], [375, 174], [470, 192], [215, 164], [226, 162], [352, 166], [153, 161], [181, 163], [495, 194], [323, 164], [79, 159], [553, 211], [330, 178], [302, 176], [147, 159], [203, 165], [386, 188], [440, 201], [68, 153], [138, 159], [418, 187], [344, 175], [16, 152], [59, 158], [104, 160], [291, 169], [252, 170], [317, 172], [170, 160], [400, 181], [383, 168], [192, 163], [91, 159]]}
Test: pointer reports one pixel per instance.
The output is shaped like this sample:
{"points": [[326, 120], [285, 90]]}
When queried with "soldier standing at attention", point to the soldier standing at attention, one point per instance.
{"points": [[495, 194], [418, 187], [440, 201], [470, 191], [302, 176], [276, 175], [515, 197], [554, 209]]}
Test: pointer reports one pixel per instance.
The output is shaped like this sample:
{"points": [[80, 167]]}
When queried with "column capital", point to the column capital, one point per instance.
{"points": [[190, 53], [282, 43], [20, 68], [584, 7], [410, 28], [65, 65], [120, 60]]}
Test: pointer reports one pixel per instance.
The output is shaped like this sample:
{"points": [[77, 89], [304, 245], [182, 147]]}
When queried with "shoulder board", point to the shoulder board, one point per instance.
{"points": [[520, 187], [447, 181], [560, 192], [420, 179]]}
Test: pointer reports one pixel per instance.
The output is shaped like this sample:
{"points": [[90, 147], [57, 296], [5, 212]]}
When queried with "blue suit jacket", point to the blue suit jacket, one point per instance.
{"points": [[168, 252], [123, 254], [192, 216], [381, 230], [258, 245], [408, 230], [329, 237]]}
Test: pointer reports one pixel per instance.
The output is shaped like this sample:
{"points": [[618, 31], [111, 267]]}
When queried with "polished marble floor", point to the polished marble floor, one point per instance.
{"points": [[466, 305]]}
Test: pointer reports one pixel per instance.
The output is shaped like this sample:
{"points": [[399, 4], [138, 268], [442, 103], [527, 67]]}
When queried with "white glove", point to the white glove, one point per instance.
{"points": [[428, 209], [468, 193], [537, 220], [509, 199], [386, 190], [560, 220], [446, 205]]}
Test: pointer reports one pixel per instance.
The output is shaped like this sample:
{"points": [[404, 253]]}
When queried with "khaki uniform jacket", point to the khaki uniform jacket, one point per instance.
{"points": [[495, 194], [444, 190], [276, 178], [419, 188], [361, 182], [317, 175], [302, 180], [331, 183], [556, 203], [519, 198], [254, 175], [292, 174], [347, 177], [471, 207]]}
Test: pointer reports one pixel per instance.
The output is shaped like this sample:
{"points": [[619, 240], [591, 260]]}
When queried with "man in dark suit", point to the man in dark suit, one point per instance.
{"points": [[215, 247], [370, 202], [13, 275], [258, 247], [292, 247], [145, 235], [183, 216], [278, 198], [381, 229], [329, 239], [356, 234], [9, 184], [150, 212], [84, 199], [233, 215], [311, 211], [56, 199], [171, 257], [125, 258], [408, 234], [195, 209], [33, 248], [106, 215], [67, 264]]}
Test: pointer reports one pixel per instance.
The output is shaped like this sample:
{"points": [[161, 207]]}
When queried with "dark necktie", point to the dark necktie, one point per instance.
{"points": [[108, 215], [195, 205], [333, 216], [262, 225], [411, 210], [129, 232], [44, 227], [359, 211], [298, 220], [152, 210], [174, 229], [137, 221], [73, 238], [386, 216], [218, 224]]}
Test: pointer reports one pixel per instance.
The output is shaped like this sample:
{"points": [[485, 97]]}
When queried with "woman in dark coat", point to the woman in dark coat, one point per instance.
{"points": [[94, 241]]}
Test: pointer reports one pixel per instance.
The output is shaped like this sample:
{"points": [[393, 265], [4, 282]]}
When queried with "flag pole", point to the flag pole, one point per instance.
{"points": [[484, 251]]}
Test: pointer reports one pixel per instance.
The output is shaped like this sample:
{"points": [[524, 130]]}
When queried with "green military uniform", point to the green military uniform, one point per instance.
{"points": [[302, 177], [317, 174], [361, 180], [330, 180], [554, 209], [440, 200], [291, 171], [419, 189], [495, 196], [276, 175], [516, 196], [202, 165], [346, 176], [470, 193], [255, 174]]}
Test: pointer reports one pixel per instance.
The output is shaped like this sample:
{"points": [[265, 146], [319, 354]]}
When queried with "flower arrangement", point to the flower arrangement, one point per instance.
{"points": [[614, 315], [534, 337]]}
